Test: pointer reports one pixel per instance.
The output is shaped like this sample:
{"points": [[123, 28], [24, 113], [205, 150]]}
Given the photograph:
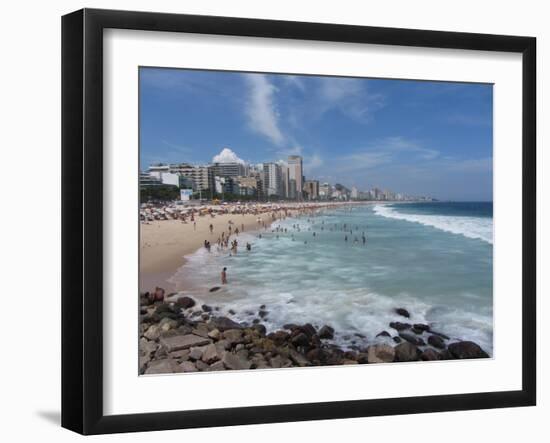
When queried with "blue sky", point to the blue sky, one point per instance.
{"points": [[415, 137]]}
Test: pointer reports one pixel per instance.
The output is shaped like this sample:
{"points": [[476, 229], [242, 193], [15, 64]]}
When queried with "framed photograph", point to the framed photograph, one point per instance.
{"points": [[268, 221]]}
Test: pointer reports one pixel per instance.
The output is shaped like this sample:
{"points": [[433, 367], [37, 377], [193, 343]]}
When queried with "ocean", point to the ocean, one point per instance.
{"points": [[433, 259]]}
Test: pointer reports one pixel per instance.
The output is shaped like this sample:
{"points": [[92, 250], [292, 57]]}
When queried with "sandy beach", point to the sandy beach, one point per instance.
{"points": [[164, 243]]}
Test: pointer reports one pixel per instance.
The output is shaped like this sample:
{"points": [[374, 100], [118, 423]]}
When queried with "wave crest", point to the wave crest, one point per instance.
{"points": [[471, 227]]}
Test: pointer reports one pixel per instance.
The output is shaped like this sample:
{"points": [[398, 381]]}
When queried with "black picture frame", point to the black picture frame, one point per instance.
{"points": [[82, 218]]}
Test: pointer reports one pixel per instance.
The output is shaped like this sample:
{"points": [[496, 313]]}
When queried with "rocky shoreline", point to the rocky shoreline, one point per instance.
{"points": [[181, 336]]}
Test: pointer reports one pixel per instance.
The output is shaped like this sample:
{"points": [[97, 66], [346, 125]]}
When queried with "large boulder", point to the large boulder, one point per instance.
{"points": [[429, 355], [185, 302], [210, 354], [380, 354], [177, 342], [466, 349], [224, 323], [300, 339], [278, 337], [235, 362], [436, 341], [153, 333], [412, 339], [421, 327], [439, 334], [260, 328], [406, 352], [187, 366], [326, 332], [147, 347], [298, 358], [164, 366], [308, 329], [233, 336], [399, 326]]}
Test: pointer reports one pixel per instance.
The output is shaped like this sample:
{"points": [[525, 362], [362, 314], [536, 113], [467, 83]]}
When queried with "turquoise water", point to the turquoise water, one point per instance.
{"points": [[434, 261]]}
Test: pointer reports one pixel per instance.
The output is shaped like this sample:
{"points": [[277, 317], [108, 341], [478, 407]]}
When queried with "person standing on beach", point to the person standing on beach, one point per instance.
{"points": [[224, 276], [211, 228]]}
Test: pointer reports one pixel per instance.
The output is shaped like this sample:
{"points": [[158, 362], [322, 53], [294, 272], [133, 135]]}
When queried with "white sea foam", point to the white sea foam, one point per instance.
{"points": [[472, 227]]}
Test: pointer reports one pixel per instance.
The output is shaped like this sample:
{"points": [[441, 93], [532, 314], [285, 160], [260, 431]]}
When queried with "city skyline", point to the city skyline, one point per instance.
{"points": [[227, 174], [422, 138]]}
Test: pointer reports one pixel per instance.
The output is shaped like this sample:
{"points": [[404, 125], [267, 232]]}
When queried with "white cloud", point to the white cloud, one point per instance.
{"points": [[350, 96], [293, 80], [261, 111], [227, 156], [400, 144]]}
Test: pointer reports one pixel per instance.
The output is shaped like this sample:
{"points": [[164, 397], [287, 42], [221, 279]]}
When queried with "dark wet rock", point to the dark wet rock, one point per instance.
{"points": [[380, 354], [421, 327], [262, 307], [429, 355], [466, 349], [262, 313], [334, 356], [161, 308], [232, 312], [185, 302], [403, 312], [260, 328], [256, 321], [224, 323], [278, 337], [436, 342], [383, 334], [316, 355], [301, 339], [439, 334], [406, 352], [309, 330], [214, 289], [326, 332], [290, 326], [397, 339], [206, 308], [399, 326], [445, 355], [417, 331], [412, 339]]}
